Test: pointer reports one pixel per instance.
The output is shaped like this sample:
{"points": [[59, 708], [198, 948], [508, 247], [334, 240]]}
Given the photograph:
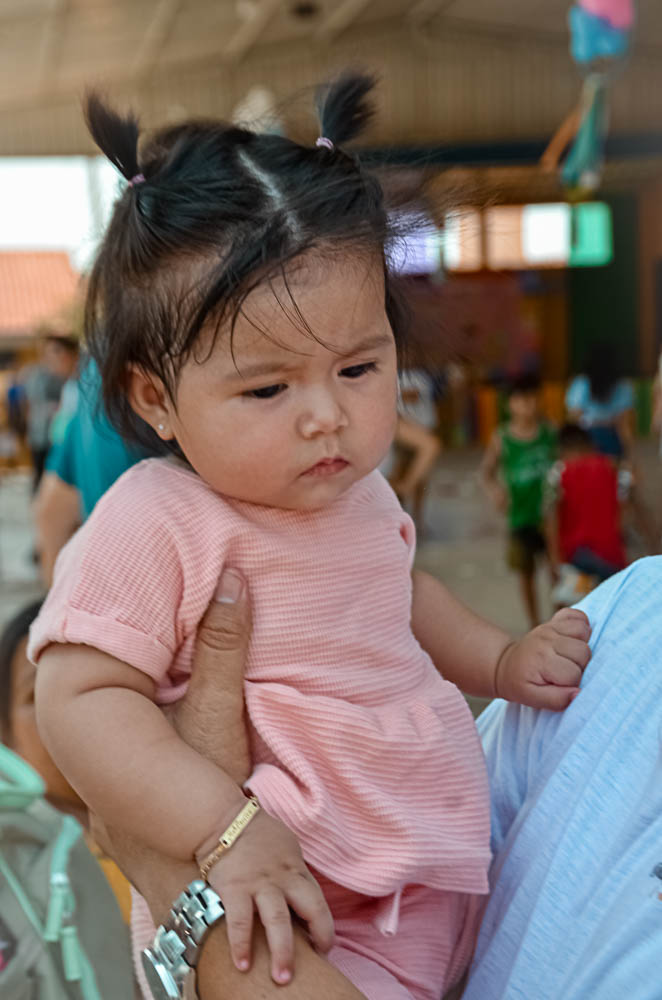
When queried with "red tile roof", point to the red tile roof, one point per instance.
{"points": [[35, 286]]}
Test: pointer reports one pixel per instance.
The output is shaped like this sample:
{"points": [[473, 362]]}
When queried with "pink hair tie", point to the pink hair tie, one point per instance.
{"points": [[138, 179], [323, 141]]}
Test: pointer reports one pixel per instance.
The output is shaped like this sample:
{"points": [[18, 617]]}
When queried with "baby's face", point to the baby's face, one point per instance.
{"points": [[293, 420]]}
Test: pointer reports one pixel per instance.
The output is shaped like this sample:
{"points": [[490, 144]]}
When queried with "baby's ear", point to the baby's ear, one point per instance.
{"points": [[149, 399]]}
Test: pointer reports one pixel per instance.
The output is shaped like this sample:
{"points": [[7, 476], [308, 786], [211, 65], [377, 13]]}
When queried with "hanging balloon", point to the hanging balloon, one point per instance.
{"points": [[600, 32], [600, 29], [618, 13]]}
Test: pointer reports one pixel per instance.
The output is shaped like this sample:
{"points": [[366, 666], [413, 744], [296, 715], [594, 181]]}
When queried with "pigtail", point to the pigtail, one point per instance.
{"points": [[342, 107], [116, 137]]}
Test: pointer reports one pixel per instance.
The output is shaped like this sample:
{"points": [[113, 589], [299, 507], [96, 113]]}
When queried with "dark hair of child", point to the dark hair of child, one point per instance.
{"points": [[603, 370], [523, 385], [15, 630], [572, 437], [211, 211], [68, 344]]}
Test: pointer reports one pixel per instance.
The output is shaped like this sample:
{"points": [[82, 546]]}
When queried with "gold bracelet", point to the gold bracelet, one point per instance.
{"points": [[228, 837]]}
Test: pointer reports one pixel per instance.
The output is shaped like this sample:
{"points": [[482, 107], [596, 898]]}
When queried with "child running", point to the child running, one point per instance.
{"points": [[243, 321], [514, 468]]}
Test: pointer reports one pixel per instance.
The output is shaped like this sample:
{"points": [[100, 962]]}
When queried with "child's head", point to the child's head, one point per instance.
{"points": [[523, 398], [574, 440], [240, 304], [60, 354], [18, 722]]}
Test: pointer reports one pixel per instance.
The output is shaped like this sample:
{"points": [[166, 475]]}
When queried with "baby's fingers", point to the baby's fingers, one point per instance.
{"points": [[239, 923], [277, 922], [573, 623], [306, 899], [553, 697], [572, 649]]}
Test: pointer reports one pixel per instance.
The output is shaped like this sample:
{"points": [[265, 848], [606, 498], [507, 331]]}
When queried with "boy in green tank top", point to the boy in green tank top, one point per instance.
{"points": [[513, 472]]}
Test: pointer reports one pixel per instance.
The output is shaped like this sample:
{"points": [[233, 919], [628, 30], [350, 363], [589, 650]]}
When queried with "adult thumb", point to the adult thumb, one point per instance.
{"points": [[224, 632], [214, 700]]}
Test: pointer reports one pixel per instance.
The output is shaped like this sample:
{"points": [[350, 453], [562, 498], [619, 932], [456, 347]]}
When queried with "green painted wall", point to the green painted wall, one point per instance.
{"points": [[603, 301]]}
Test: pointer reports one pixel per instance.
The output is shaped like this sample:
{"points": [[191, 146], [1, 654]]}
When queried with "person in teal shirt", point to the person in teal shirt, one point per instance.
{"points": [[79, 470], [91, 455]]}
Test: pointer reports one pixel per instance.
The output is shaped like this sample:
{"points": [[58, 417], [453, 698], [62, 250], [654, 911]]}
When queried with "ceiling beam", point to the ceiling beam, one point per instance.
{"points": [[248, 33], [51, 40], [424, 10], [340, 19], [155, 37]]}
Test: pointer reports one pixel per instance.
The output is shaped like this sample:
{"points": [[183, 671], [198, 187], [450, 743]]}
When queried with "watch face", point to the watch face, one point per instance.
{"points": [[160, 981]]}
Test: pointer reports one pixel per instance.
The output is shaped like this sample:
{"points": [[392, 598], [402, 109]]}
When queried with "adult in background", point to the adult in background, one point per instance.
{"points": [[602, 402], [79, 469], [416, 444], [43, 383]]}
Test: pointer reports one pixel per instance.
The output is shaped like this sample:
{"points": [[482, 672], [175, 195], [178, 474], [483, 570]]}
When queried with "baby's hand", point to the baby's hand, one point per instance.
{"points": [[544, 668], [264, 870]]}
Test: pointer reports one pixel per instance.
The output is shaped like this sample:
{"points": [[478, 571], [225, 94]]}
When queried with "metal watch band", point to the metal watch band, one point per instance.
{"points": [[195, 910]]}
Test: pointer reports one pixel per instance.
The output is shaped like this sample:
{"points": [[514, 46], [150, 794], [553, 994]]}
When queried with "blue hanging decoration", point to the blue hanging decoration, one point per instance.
{"points": [[600, 34]]}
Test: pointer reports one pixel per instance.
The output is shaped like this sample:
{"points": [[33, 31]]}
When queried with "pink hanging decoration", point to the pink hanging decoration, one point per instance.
{"points": [[619, 13]]}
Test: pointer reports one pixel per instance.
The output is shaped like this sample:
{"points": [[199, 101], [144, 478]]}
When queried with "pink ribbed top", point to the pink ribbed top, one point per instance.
{"points": [[359, 745]]}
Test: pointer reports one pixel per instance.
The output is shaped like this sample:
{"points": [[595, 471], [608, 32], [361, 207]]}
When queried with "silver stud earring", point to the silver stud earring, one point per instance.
{"points": [[161, 427]]}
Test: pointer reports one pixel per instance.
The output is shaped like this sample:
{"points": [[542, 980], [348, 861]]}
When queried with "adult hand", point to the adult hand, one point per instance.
{"points": [[211, 716]]}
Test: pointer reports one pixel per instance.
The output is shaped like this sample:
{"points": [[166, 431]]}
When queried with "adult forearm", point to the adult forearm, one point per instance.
{"points": [[161, 880], [56, 517], [463, 646]]}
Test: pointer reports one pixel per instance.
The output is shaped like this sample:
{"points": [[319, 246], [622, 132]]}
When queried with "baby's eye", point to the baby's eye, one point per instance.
{"points": [[356, 371], [266, 392]]}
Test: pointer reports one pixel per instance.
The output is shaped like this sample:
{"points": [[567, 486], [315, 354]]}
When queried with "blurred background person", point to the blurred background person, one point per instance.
{"points": [[18, 731], [43, 383], [513, 472], [417, 444], [583, 496], [602, 402], [80, 467]]}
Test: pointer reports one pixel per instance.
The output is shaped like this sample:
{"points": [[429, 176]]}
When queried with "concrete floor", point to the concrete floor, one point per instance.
{"points": [[462, 541]]}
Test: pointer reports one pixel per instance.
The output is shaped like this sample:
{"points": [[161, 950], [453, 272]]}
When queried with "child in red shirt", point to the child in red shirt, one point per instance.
{"points": [[583, 510]]}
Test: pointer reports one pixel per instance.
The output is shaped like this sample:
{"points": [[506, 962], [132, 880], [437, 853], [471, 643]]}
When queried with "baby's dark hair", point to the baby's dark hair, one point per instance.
{"points": [[211, 211]]}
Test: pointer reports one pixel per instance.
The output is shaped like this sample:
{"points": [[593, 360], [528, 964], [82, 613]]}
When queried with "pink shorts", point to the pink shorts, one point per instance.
{"points": [[426, 954]]}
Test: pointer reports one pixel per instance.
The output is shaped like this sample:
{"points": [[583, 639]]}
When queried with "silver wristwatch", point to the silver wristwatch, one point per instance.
{"points": [[170, 962]]}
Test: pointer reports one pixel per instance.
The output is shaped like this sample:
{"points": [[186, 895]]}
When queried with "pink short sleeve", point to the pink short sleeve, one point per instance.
{"points": [[119, 582]]}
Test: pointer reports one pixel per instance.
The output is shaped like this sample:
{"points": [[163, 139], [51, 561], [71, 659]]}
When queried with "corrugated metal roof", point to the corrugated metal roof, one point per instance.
{"points": [[452, 70]]}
